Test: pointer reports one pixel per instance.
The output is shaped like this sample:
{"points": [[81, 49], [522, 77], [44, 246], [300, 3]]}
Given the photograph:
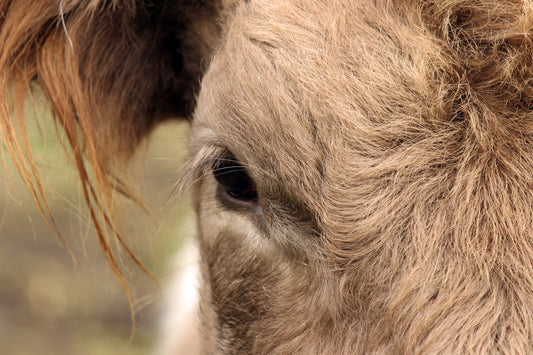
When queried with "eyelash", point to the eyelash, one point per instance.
{"points": [[233, 179]]}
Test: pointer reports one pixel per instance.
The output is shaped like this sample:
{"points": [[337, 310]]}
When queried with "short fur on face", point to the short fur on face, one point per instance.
{"points": [[389, 143]]}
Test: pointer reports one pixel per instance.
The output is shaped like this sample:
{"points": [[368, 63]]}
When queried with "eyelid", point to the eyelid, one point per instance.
{"points": [[199, 165]]}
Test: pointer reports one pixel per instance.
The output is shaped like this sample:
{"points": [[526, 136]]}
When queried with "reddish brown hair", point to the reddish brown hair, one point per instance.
{"points": [[111, 71]]}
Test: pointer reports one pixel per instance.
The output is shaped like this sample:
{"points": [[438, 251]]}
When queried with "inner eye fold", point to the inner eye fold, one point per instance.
{"points": [[233, 178]]}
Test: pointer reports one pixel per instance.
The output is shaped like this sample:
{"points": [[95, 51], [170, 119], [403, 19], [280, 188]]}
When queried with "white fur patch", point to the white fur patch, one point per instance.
{"points": [[179, 333]]}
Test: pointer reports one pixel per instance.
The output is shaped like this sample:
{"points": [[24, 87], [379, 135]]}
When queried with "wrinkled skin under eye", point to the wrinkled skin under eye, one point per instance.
{"points": [[233, 179]]}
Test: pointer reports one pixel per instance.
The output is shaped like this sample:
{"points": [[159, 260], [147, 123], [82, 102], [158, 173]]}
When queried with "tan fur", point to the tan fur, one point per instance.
{"points": [[389, 141]]}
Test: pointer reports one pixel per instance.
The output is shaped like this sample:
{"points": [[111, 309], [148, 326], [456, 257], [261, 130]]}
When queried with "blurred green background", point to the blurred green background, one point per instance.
{"points": [[50, 304]]}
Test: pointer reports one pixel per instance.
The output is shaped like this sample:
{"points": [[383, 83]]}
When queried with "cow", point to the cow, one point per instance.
{"points": [[362, 170]]}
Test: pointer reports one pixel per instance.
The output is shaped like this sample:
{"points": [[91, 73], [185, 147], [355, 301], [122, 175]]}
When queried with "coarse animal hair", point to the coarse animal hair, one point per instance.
{"points": [[362, 170]]}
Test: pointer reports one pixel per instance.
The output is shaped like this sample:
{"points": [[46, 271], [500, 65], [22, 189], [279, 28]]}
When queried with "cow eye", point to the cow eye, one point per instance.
{"points": [[234, 180]]}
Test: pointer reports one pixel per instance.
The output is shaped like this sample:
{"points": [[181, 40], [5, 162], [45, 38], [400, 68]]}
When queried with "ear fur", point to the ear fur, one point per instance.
{"points": [[117, 67], [111, 70]]}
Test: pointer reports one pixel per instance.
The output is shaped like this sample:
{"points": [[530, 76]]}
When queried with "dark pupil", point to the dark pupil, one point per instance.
{"points": [[232, 176]]}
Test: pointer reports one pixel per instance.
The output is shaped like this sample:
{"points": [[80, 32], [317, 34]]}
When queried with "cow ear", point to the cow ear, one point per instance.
{"points": [[111, 71], [110, 68]]}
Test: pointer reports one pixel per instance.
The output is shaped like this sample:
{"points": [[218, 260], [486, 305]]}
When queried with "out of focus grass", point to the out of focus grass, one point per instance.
{"points": [[50, 304]]}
